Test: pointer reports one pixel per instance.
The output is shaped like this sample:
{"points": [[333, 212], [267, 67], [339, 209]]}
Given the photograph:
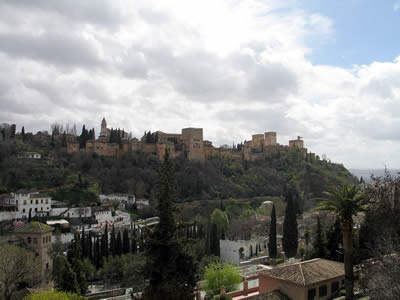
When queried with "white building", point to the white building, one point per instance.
{"points": [[126, 198], [236, 251], [104, 217], [30, 155], [72, 212], [37, 203], [122, 218]]}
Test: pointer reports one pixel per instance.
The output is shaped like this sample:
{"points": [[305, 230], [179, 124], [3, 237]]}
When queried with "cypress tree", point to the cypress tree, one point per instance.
{"points": [[90, 247], [83, 243], [134, 245], [290, 233], [118, 245], [319, 242], [272, 249], [97, 253], [104, 243], [112, 242], [126, 243], [334, 238], [214, 240], [171, 271]]}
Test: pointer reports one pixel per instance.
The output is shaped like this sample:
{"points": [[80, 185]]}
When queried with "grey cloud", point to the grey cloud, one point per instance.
{"points": [[154, 16], [134, 65], [100, 12], [261, 120], [203, 77], [59, 49]]}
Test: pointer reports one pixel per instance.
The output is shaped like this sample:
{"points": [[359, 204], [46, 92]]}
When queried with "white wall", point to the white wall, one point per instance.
{"points": [[229, 250]]}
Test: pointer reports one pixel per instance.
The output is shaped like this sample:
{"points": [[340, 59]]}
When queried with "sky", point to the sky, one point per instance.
{"points": [[328, 71]]}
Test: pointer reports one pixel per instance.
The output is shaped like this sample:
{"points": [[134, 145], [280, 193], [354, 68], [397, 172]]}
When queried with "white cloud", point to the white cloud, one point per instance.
{"points": [[233, 67], [396, 6]]}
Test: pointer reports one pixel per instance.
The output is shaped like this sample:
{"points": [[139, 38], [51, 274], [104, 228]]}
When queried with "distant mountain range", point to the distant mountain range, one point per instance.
{"points": [[366, 173]]}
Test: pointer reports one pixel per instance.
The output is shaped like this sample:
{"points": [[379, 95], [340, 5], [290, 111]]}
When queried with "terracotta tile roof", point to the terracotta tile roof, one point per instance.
{"points": [[307, 272], [273, 295], [34, 227]]}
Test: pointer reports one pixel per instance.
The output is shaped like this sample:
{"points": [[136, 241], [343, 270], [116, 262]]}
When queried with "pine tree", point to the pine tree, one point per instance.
{"points": [[319, 242], [171, 271], [272, 249], [290, 233], [63, 276]]}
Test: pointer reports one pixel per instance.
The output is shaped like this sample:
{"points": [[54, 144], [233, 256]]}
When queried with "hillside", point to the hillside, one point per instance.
{"points": [[135, 172]]}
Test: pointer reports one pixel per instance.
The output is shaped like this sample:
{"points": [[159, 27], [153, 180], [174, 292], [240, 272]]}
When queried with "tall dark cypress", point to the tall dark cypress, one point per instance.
{"points": [[214, 240], [112, 242], [89, 247], [319, 242], [118, 245], [171, 271], [272, 249], [83, 243], [104, 243], [125, 241], [290, 233], [97, 253], [134, 244]]}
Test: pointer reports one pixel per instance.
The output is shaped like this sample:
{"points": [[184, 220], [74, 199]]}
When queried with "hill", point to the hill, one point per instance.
{"points": [[136, 172]]}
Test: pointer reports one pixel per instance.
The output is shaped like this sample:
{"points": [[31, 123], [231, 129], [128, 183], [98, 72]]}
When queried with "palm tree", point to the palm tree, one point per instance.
{"points": [[345, 202]]}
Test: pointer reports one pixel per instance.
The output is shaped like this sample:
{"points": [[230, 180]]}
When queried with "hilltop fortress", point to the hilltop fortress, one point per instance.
{"points": [[188, 144]]}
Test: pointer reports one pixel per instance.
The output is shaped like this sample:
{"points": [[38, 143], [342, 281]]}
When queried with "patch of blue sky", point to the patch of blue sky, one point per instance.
{"points": [[364, 31]]}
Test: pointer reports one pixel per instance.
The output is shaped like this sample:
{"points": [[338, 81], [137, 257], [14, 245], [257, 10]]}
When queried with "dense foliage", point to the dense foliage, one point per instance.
{"points": [[218, 275], [136, 172]]}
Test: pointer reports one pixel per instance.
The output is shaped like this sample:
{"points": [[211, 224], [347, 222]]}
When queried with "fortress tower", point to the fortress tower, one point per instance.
{"points": [[270, 139], [104, 132], [193, 141]]}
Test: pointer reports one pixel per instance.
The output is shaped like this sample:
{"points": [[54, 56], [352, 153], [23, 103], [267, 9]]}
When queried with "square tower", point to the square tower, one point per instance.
{"points": [[270, 138], [37, 236], [193, 141]]}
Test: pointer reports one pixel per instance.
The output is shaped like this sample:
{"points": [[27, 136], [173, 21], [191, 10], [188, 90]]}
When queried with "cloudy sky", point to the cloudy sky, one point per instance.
{"points": [[328, 72]]}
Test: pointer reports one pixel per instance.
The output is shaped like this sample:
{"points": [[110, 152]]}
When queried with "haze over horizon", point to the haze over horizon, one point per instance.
{"points": [[328, 72]]}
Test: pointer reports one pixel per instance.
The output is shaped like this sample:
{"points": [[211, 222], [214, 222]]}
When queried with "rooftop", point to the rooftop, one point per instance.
{"points": [[34, 227], [273, 295], [307, 272]]}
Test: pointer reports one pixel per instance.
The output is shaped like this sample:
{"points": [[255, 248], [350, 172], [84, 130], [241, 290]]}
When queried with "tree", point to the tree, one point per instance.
{"points": [[118, 245], [171, 270], [319, 242], [214, 240], [335, 239], [345, 202], [272, 249], [113, 242], [219, 218], [381, 275], [17, 266], [217, 276], [54, 295], [290, 233], [64, 276], [125, 241]]}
